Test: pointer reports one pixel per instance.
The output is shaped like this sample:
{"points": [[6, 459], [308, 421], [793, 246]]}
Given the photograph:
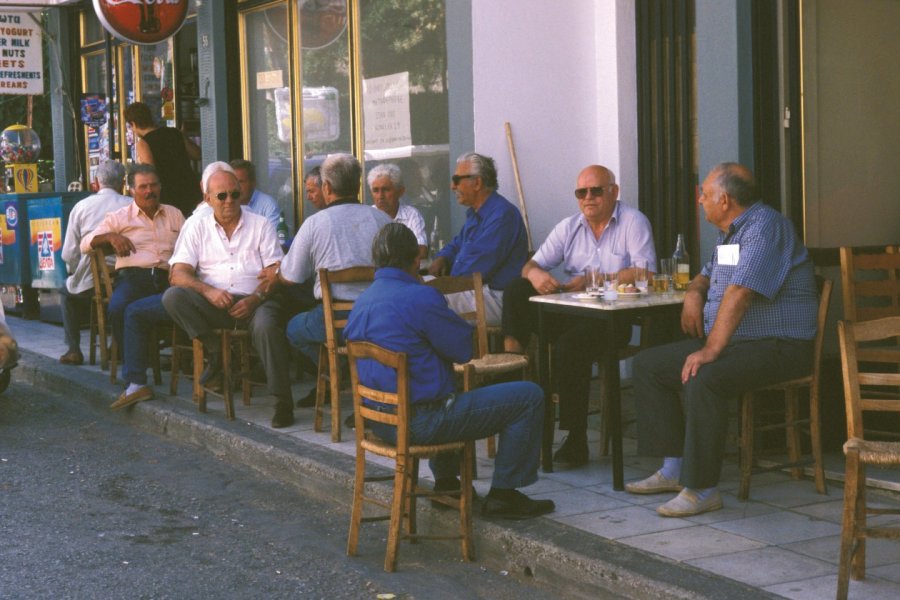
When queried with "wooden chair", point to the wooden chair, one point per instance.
{"points": [[406, 456], [859, 450], [792, 421], [329, 371], [871, 283], [229, 338], [181, 346], [484, 363], [102, 273]]}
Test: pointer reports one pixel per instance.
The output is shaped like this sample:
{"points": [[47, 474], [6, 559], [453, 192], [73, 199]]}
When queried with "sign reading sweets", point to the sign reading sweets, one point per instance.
{"points": [[21, 55], [142, 21]]}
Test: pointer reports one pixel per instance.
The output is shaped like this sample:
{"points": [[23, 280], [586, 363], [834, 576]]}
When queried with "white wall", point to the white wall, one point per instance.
{"points": [[551, 69]]}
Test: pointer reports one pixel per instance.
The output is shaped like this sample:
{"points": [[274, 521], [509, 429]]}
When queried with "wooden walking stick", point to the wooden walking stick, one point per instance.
{"points": [[515, 164]]}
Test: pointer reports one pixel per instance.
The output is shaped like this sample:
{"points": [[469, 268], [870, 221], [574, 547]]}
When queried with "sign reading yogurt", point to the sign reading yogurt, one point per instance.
{"points": [[21, 55], [142, 21]]}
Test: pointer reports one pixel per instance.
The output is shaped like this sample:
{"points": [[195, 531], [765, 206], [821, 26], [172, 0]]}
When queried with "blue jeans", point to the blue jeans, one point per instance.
{"points": [[305, 331], [514, 410], [141, 316], [132, 284]]}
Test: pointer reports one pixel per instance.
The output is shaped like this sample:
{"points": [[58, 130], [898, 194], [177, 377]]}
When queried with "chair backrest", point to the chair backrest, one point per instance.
{"points": [[871, 283], [336, 309], [467, 283], [872, 397], [102, 273], [826, 286], [397, 402]]}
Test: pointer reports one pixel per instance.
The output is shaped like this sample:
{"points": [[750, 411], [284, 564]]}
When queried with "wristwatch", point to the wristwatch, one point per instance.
{"points": [[260, 295]]}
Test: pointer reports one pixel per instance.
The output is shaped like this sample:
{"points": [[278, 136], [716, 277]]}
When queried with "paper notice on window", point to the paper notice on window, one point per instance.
{"points": [[21, 54], [386, 111]]}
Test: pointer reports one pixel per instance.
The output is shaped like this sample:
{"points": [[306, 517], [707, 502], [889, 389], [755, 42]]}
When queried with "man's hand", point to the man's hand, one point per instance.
{"points": [[218, 298], [269, 278], [696, 360], [245, 307], [543, 282], [692, 315], [438, 267], [121, 245], [574, 284]]}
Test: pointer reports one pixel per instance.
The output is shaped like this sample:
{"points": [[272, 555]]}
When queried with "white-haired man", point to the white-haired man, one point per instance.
{"points": [[386, 184]]}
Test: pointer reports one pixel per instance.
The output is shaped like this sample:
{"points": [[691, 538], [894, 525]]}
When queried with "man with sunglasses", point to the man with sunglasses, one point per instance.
{"points": [[215, 284], [492, 241], [605, 235]]}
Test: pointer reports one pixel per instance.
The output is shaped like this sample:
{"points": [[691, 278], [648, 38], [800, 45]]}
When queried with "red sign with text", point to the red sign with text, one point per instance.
{"points": [[142, 21]]}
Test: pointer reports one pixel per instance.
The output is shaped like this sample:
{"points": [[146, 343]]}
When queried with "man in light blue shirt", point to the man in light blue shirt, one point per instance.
{"points": [[606, 235], [751, 318]]}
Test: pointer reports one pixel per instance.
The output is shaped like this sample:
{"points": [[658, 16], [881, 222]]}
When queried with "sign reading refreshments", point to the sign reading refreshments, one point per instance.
{"points": [[142, 21], [21, 55]]}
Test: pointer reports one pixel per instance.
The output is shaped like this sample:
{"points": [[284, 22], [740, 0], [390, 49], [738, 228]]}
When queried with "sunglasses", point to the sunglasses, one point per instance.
{"points": [[221, 196], [596, 191], [457, 178]]}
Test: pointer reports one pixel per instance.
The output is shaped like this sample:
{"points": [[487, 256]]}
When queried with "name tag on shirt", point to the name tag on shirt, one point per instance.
{"points": [[728, 254]]}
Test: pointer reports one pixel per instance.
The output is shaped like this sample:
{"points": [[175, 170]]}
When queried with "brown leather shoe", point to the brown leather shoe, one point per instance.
{"points": [[284, 413], [72, 358], [144, 393]]}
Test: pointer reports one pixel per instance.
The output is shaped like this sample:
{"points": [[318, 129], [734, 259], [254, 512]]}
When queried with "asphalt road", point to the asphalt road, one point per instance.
{"points": [[92, 508]]}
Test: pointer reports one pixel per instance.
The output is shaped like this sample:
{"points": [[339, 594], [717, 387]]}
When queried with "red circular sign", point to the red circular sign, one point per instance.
{"points": [[142, 21]]}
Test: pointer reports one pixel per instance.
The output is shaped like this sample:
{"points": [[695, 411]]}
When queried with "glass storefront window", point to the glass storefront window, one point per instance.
{"points": [[405, 103], [94, 100], [267, 101], [91, 30]]}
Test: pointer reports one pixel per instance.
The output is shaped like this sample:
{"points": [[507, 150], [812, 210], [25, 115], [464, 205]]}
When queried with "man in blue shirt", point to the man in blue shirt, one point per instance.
{"points": [[401, 314], [751, 314], [492, 241], [256, 200]]}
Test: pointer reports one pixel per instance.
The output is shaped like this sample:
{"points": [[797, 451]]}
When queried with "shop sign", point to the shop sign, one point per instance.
{"points": [[142, 21], [21, 55], [386, 111]]}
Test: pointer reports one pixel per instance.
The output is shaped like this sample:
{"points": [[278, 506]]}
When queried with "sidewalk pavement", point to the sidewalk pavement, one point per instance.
{"points": [[782, 543]]}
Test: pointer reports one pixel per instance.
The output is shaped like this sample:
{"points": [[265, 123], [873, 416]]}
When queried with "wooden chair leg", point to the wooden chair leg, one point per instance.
{"points": [[334, 368], [410, 504], [199, 392], [320, 387], [815, 435], [858, 564], [848, 532], [792, 431], [227, 395], [359, 483], [103, 337], [746, 445], [113, 360], [465, 501], [393, 542], [92, 342]]}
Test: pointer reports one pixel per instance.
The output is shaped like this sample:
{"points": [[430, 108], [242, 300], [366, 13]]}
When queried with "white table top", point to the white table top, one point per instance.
{"points": [[622, 303]]}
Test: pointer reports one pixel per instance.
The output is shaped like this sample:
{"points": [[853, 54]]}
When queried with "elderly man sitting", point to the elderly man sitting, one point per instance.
{"points": [[215, 270], [386, 185]]}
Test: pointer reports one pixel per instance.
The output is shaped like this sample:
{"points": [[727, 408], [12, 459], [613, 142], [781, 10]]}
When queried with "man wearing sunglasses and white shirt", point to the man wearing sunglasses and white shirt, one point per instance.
{"points": [[606, 235], [215, 283]]}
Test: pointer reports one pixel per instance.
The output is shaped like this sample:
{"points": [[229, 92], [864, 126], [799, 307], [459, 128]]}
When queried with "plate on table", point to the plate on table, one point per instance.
{"points": [[637, 294], [588, 296]]}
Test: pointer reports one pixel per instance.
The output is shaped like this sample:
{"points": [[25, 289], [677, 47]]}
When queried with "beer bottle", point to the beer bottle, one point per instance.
{"points": [[682, 265]]}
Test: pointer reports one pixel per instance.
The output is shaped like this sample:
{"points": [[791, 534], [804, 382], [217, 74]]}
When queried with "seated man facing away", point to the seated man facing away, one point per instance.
{"points": [[608, 235], [84, 218], [492, 241], [752, 315], [215, 269], [386, 184], [401, 314]]}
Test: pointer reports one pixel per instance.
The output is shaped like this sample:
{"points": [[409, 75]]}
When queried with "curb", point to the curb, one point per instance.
{"points": [[573, 562]]}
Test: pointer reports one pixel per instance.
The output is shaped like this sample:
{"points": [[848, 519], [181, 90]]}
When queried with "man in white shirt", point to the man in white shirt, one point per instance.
{"points": [[84, 218], [255, 200], [386, 184], [215, 269]]}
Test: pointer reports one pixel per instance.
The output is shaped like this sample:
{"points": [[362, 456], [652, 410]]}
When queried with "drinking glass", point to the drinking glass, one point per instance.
{"points": [[610, 285], [667, 268], [593, 280], [640, 274]]}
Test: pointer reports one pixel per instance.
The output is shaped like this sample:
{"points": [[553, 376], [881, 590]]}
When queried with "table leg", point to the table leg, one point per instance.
{"points": [[544, 380], [611, 356]]}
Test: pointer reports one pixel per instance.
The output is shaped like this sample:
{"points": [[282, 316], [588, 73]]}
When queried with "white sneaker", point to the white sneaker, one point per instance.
{"points": [[686, 504], [655, 484]]}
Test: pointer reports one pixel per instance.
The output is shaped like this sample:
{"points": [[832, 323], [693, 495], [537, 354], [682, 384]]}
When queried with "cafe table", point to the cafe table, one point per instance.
{"points": [[616, 314]]}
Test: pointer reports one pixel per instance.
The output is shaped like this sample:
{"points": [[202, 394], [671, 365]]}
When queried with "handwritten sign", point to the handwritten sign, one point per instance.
{"points": [[21, 55], [386, 111]]}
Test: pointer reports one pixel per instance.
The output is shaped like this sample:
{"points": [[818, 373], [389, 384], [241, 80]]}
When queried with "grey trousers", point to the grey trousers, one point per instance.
{"points": [[694, 426], [198, 318]]}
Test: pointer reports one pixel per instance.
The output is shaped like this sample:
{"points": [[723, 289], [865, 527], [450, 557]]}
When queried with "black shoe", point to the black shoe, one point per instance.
{"points": [[309, 400], [513, 504], [449, 484], [573, 452], [213, 367], [284, 414]]}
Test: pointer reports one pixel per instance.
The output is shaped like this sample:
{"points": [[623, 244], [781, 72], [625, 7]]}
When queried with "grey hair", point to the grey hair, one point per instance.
{"points": [[110, 174], [140, 169], [737, 181], [316, 174], [481, 165], [389, 170], [343, 173], [210, 170], [395, 245]]}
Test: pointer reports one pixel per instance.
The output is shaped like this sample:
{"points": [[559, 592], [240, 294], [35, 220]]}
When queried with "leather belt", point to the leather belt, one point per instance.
{"points": [[418, 407]]}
